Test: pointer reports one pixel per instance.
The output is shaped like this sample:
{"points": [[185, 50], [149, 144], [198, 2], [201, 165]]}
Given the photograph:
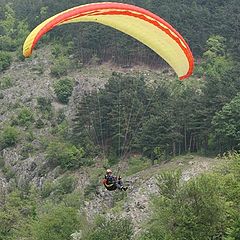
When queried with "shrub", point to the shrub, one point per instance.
{"points": [[8, 173], [39, 123], [7, 43], [19, 54], [90, 189], [120, 228], [60, 66], [58, 223], [9, 137], [59, 50], [66, 155], [26, 150], [25, 117], [47, 189], [234, 231], [159, 154], [5, 83], [66, 185], [30, 136], [168, 183], [74, 199], [60, 116], [61, 129], [5, 60], [63, 89], [44, 104]]}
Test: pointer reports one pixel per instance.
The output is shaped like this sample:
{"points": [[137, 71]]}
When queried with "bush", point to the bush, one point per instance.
{"points": [[26, 150], [60, 116], [5, 60], [90, 189], [30, 136], [5, 83], [63, 89], [9, 137], [66, 185], [7, 43], [60, 67], [59, 50], [14, 213], [168, 183], [66, 155], [159, 154], [19, 54], [39, 123], [61, 130], [234, 231], [120, 228], [8, 173], [47, 189], [44, 104], [25, 117], [58, 223]]}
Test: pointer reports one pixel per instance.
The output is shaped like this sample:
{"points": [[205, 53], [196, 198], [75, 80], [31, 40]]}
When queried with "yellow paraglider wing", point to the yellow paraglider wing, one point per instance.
{"points": [[137, 22]]}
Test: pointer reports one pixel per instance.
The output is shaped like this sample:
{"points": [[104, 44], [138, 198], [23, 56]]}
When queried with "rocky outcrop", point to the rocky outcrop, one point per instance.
{"points": [[3, 188]]}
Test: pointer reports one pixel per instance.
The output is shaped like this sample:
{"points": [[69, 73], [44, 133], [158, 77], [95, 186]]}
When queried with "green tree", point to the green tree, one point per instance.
{"points": [[226, 125], [219, 69], [195, 210], [12, 31], [63, 89], [113, 115], [8, 29]]}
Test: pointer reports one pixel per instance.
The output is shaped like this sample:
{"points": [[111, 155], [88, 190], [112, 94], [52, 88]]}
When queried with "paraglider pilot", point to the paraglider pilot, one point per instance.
{"points": [[112, 182]]}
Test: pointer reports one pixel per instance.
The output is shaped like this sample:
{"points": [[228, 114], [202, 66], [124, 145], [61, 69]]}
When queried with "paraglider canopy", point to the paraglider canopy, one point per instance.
{"points": [[137, 22]]}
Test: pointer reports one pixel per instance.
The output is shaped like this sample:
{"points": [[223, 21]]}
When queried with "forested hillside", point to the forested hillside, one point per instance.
{"points": [[92, 98]]}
